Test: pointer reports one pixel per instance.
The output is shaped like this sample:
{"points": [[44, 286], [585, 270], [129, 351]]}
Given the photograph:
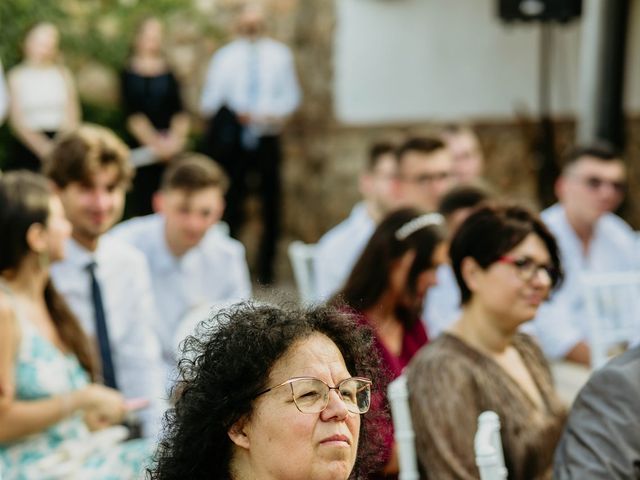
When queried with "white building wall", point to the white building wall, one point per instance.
{"points": [[416, 60]]}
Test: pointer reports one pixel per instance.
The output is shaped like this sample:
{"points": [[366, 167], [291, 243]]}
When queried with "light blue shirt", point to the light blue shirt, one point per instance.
{"points": [[131, 314], [339, 249], [229, 77], [214, 271], [442, 303], [561, 322]]}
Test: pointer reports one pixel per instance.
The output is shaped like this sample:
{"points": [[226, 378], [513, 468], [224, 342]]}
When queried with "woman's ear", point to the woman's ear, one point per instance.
{"points": [[37, 237], [470, 271], [238, 433]]}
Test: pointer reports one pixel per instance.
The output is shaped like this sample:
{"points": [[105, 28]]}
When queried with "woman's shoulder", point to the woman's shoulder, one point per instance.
{"points": [[445, 352]]}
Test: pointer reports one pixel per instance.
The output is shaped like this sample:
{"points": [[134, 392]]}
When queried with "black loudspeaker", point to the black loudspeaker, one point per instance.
{"points": [[539, 10]]}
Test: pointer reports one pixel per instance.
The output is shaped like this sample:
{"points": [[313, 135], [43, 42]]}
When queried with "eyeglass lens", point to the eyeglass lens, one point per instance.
{"points": [[527, 268], [312, 395]]}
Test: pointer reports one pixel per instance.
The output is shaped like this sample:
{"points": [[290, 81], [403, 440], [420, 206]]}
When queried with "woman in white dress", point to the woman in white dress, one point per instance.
{"points": [[44, 101]]}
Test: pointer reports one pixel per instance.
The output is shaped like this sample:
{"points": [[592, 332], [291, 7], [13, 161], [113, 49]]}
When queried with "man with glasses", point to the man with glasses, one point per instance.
{"points": [[425, 167], [340, 247], [591, 239]]}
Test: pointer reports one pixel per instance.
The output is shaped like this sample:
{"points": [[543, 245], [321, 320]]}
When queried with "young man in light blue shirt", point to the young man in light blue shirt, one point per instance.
{"points": [[193, 263]]}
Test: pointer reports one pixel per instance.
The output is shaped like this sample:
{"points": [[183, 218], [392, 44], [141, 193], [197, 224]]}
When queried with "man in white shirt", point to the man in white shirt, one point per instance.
{"points": [[591, 239], [105, 281], [425, 172], [249, 92], [193, 264], [339, 248]]}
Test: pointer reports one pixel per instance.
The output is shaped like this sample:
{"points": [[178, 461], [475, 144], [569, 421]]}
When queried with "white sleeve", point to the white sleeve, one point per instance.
{"points": [[142, 373], [555, 326], [212, 96]]}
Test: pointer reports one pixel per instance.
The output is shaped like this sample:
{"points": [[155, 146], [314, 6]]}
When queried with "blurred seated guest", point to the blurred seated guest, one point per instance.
{"points": [[4, 96], [591, 238], [192, 262], [468, 160], [46, 365], [442, 305], [155, 116], [386, 290], [272, 393], [601, 439], [506, 263], [424, 172], [44, 100], [339, 248]]}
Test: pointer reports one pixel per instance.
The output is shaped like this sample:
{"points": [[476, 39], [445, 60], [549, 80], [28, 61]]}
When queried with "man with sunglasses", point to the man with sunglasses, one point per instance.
{"points": [[591, 239]]}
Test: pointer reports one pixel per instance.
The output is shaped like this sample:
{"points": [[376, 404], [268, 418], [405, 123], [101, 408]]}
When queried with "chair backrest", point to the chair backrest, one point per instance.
{"points": [[612, 302], [398, 396], [488, 447], [301, 256]]}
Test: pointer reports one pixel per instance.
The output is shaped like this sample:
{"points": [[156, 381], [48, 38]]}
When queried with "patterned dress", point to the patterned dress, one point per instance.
{"points": [[41, 371]]}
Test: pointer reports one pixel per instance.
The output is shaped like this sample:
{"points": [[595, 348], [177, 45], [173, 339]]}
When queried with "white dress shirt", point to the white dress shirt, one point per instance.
{"points": [[339, 249], [228, 82], [125, 285], [561, 322], [212, 272], [442, 303]]}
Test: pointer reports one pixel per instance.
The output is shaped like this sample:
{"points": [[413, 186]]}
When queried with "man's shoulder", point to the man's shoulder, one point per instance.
{"points": [[613, 223], [115, 250], [349, 229], [217, 241], [137, 229]]}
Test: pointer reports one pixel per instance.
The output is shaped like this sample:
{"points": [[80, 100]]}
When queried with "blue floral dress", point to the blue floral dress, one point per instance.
{"points": [[41, 371]]}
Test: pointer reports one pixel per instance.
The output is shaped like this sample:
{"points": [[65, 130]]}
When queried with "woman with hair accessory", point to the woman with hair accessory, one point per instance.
{"points": [[272, 393], [386, 290], [47, 401], [506, 263], [44, 101]]}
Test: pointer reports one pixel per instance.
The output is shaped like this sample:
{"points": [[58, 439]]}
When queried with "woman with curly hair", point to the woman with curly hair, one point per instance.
{"points": [[272, 393]]}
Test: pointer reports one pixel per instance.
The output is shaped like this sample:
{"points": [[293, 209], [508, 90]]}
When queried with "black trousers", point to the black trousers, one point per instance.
{"points": [[262, 164]]}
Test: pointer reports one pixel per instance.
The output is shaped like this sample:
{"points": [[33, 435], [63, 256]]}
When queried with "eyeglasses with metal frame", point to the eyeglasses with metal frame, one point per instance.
{"points": [[311, 395], [527, 268]]}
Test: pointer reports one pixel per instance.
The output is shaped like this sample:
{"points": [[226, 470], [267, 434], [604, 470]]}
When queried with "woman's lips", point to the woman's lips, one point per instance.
{"points": [[337, 439]]}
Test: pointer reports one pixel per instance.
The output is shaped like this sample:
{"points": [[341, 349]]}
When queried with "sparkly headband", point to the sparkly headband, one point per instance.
{"points": [[417, 223]]}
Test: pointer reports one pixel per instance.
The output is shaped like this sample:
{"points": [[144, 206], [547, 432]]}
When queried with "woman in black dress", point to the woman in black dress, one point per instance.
{"points": [[155, 117]]}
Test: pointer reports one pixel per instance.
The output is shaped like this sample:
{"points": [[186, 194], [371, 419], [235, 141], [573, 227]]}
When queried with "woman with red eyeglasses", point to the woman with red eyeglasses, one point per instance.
{"points": [[506, 264]]}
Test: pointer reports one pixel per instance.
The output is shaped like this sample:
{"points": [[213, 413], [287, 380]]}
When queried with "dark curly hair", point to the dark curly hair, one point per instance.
{"points": [[227, 363]]}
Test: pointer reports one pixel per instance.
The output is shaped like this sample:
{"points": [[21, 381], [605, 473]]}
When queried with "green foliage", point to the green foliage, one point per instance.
{"points": [[90, 29]]}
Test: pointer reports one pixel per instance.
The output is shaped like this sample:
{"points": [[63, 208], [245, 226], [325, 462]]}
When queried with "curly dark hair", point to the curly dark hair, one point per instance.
{"points": [[227, 363]]}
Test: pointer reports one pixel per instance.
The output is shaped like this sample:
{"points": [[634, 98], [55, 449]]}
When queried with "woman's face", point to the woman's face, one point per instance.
{"points": [[58, 229], [41, 44], [509, 292], [280, 442], [149, 38], [413, 299]]}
